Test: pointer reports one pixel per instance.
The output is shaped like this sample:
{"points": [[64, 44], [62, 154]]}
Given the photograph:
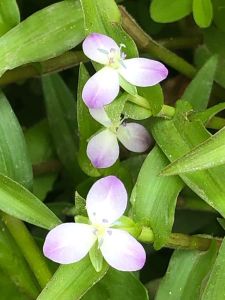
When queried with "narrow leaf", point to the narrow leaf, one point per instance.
{"points": [[61, 115], [27, 41], [9, 15], [14, 159], [186, 274], [209, 154], [114, 286], [17, 201], [199, 90], [215, 285], [154, 197], [71, 282]]}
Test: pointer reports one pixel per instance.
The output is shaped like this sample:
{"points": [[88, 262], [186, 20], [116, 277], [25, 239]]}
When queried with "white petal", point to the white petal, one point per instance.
{"points": [[122, 251], [97, 46], [143, 72], [106, 200], [100, 115], [69, 242], [103, 149], [102, 88], [134, 137]]}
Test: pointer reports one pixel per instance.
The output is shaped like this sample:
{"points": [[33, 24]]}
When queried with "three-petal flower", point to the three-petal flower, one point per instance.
{"points": [[103, 87], [103, 148], [106, 203]]}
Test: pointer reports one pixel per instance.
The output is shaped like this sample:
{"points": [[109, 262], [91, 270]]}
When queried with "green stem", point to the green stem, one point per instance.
{"points": [[29, 249], [194, 204], [180, 42], [181, 241], [216, 123], [56, 64], [146, 43], [184, 241]]}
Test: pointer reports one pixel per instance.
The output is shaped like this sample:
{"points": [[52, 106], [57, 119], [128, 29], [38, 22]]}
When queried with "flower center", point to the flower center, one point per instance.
{"points": [[115, 57]]}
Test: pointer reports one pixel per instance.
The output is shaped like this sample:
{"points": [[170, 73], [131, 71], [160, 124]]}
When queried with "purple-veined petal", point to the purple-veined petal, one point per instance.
{"points": [[100, 115], [102, 88], [122, 251], [103, 149], [134, 137], [142, 71], [69, 242], [106, 200], [97, 46]]}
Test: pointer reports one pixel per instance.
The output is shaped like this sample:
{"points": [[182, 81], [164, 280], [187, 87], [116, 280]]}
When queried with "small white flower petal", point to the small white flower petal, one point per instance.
{"points": [[122, 251], [100, 115], [106, 200], [97, 47], [102, 88], [134, 137], [103, 149], [69, 242], [142, 71]]}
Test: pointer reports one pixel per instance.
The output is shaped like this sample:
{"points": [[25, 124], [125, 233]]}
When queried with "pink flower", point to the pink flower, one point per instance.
{"points": [[103, 87], [106, 203], [103, 147]]}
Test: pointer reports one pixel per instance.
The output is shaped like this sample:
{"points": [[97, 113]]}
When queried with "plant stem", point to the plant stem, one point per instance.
{"points": [[216, 123], [184, 241], [180, 42], [29, 249], [194, 204], [56, 64], [146, 43]]}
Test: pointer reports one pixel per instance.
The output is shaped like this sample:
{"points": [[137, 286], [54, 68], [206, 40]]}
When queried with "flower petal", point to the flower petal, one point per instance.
{"points": [[134, 137], [69, 242], [103, 149], [122, 251], [97, 46], [106, 200], [100, 115], [143, 72], [102, 88]]}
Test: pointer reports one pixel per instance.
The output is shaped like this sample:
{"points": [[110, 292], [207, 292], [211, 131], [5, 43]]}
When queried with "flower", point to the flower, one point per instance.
{"points": [[103, 87], [106, 203], [103, 148]]}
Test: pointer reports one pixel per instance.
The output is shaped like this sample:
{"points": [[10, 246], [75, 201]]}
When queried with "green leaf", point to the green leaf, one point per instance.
{"points": [[117, 285], [30, 42], [206, 115], [13, 264], [209, 154], [219, 12], [17, 201], [87, 126], [14, 159], [186, 274], [9, 15], [154, 197], [184, 136], [215, 286], [203, 12], [199, 90], [215, 40], [154, 96], [96, 257], [177, 10], [71, 282], [61, 114], [104, 16]]}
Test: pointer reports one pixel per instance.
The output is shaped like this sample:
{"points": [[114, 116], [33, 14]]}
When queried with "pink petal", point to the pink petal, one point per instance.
{"points": [[102, 88], [143, 72], [122, 251], [134, 137], [69, 242], [100, 115], [97, 46], [103, 149], [106, 200]]}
